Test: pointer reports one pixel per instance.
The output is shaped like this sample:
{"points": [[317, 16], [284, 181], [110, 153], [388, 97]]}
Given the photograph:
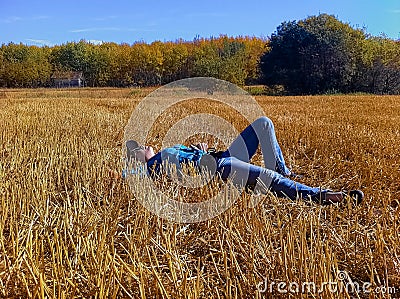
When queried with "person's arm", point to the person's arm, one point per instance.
{"points": [[201, 146], [134, 170], [170, 163]]}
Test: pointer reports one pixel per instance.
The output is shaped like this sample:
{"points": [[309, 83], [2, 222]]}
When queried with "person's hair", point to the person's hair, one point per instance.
{"points": [[132, 147]]}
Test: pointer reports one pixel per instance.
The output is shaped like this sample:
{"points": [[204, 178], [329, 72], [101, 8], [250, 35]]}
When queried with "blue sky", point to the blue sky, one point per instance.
{"points": [[55, 22]]}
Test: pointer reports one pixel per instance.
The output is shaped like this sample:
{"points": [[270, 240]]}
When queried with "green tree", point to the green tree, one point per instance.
{"points": [[338, 52], [381, 66], [72, 56], [288, 62], [24, 66], [317, 55]]}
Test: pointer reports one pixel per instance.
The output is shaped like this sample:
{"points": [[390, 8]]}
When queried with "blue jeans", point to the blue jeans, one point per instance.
{"points": [[234, 164]]}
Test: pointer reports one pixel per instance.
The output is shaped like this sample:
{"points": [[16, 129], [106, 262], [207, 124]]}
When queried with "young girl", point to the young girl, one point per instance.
{"points": [[234, 164]]}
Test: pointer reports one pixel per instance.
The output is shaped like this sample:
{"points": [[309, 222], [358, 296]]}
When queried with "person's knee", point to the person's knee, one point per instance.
{"points": [[265, 121]]}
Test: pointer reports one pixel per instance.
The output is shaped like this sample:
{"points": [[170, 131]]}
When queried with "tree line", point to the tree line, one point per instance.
{"points": [[323, 55], [319, 54], [234, 59]]}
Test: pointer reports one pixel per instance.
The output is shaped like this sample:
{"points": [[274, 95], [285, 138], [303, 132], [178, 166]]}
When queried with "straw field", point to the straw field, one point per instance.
{"points": [[70, 228]]}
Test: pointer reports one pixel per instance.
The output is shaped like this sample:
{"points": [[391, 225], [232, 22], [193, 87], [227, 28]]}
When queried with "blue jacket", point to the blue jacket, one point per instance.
{"points": [[176, 155]]}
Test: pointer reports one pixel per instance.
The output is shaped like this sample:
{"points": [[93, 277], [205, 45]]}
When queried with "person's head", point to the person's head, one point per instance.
{"points": [[144, 153], [139, 152]]}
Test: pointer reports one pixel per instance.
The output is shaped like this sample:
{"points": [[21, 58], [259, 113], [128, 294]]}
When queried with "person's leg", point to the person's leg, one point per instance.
{"points": [[259, 179], [260, 132], [284, 187], [244, 175]]}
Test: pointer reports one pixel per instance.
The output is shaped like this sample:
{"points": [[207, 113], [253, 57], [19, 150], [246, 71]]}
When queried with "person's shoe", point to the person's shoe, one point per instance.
{"points": [[327, 197], [357, 196], [330, 197]]}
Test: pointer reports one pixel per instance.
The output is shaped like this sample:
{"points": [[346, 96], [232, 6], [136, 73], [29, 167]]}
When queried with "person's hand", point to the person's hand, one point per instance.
{"points": [[114, 175], [203, 146]]}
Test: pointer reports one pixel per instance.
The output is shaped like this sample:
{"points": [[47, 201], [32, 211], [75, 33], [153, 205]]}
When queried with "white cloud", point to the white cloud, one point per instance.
{"points": [[11, 19], [95, 41], [40, 42]]}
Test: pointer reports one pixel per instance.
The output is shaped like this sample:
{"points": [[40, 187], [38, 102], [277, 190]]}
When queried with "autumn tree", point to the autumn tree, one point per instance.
{"points": [[24, 66], [380, 68], [317, 55]]}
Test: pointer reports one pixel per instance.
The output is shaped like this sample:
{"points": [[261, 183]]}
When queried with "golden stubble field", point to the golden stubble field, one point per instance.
{"points": [[70, 229]]}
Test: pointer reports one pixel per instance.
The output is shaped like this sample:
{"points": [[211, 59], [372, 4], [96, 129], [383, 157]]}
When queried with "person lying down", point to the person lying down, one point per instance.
{"points": [[234, 164]]}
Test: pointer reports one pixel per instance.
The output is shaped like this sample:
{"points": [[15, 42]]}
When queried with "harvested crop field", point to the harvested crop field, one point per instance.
{"points": [[69, 228]]}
